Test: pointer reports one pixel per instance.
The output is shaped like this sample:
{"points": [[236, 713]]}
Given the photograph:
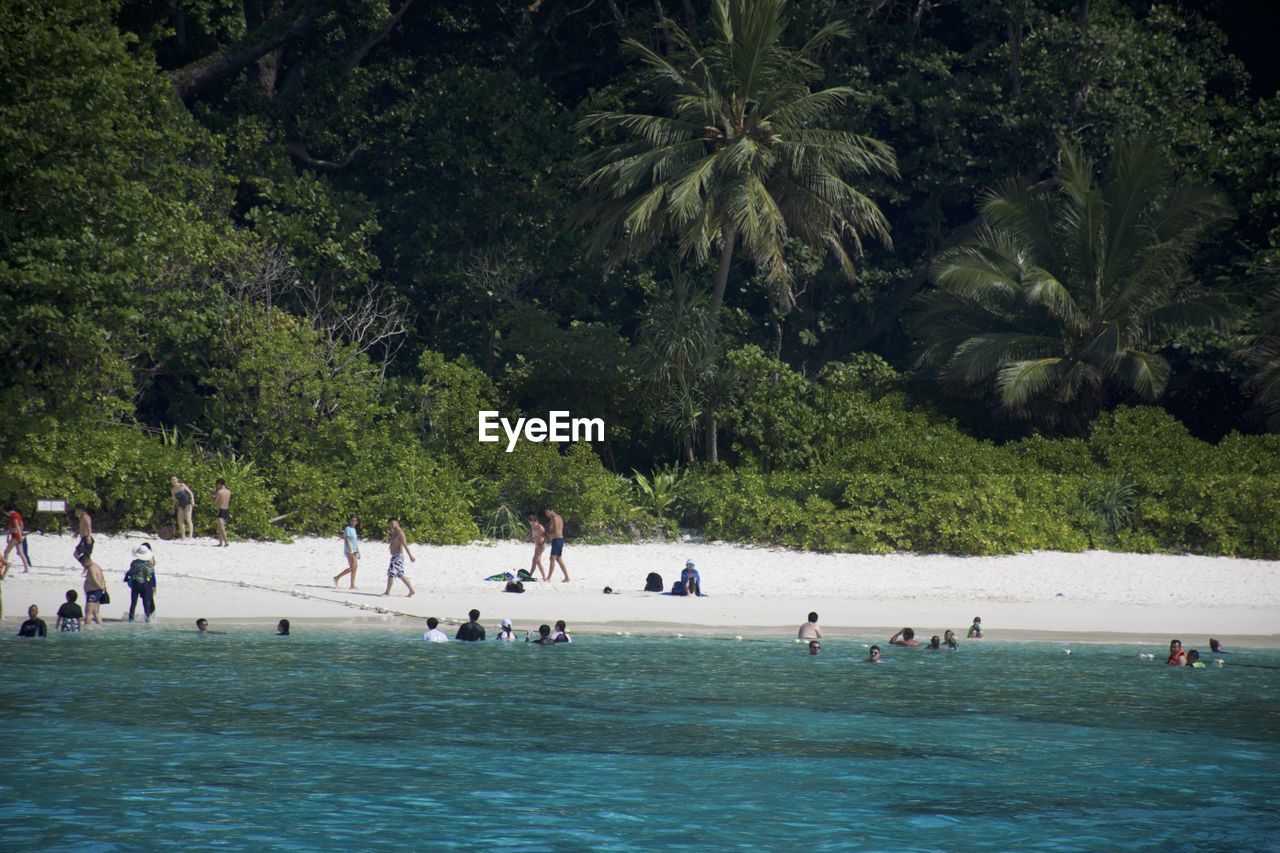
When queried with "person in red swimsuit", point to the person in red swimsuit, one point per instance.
{"points": [[16, 534]]}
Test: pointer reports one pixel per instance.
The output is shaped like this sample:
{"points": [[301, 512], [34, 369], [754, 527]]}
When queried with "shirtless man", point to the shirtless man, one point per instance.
{"points": [[810, 629], [184, 503], [539, 536], [399, 547], [905, 637], [222, 500], [94, 586], [17, 532], [85, 546], [556, 535]]}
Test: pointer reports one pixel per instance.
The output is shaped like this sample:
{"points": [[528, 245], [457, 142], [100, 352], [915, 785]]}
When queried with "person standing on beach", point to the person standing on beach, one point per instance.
{"points": [[399, 547], [17, 532], [351, 548], [557, 544], [538, 534], [141, 578], [95, 585], [184, 504], [222, 500], [810, 629], [473, 631], [85, 547]]}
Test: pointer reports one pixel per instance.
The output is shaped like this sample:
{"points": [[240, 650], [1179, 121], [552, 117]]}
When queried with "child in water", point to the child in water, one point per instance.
{"points": [[975, 630]]}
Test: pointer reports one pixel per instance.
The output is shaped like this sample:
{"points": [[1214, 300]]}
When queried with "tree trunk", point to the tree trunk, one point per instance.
{"points": [[190, 79], [1082, 16], [713, 327], [1015, 55]]}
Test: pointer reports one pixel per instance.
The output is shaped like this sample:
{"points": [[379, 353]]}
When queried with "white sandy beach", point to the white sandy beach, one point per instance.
{"points": [[756, 591]]}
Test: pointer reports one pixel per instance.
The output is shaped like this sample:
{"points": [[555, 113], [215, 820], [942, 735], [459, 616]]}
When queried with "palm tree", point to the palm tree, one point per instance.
{"points": [[743, 154], [1065, 298], [1262, 353]]}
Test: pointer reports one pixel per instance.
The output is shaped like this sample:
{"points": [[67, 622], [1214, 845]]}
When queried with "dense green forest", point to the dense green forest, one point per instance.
{"points": [[975, 276]]}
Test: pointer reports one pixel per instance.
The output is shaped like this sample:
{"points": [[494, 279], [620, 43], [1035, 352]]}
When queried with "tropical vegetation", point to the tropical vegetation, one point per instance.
{"points": [[300, 245]]}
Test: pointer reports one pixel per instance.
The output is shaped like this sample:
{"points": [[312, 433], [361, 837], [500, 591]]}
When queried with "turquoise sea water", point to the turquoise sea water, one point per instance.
{"points": [[143, 737]]}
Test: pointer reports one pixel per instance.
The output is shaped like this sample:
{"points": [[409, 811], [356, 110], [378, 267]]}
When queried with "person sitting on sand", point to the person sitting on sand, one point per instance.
{"points": [[1193, 660], [1177, 657], [690, 580], [473, 631], [975, 630], [873, 656], [905, 637], [282, 628], [814, 647], [949, 639], [935, 643], [505, 634], [34, 626], [810, 629], [561, 633], [434, 634], [544, 637], [69, 614]]}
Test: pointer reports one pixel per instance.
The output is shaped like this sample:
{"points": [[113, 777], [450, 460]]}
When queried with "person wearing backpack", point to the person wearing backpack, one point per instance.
{"points": [[141, 579]]}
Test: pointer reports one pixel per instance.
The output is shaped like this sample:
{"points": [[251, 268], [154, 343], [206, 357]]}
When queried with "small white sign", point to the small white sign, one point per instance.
{"points": [[51, 506]]}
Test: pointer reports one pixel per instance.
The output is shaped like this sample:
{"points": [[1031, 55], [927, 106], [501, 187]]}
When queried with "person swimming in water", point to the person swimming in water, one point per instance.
{"points": [[975, 630], [1193, 660], [1177, 657], [949, 639], [873, 656], [814, 647]]}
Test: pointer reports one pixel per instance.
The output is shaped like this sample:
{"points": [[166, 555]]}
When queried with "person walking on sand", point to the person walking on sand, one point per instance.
{"points": [[399, 547], [557, 544], [538, 534], [141, 579], [810, 629], [95, 586], [17, 532], [84, 548], [222, 501], [184, 504], [351, 548]]}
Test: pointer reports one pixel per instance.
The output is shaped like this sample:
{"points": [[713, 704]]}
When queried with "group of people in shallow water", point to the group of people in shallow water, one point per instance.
{"points": [[473, 632], [1191, 658], [906, 638]]}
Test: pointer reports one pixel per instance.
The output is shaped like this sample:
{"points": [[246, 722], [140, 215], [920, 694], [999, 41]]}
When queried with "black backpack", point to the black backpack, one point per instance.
{"points": [[514, 586], [653, 583]]}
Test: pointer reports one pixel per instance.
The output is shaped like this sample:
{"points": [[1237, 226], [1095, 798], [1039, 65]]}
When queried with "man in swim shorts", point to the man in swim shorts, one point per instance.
{"points": [[222, 500], [556, 532], [399, 546], [85, 546]]}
